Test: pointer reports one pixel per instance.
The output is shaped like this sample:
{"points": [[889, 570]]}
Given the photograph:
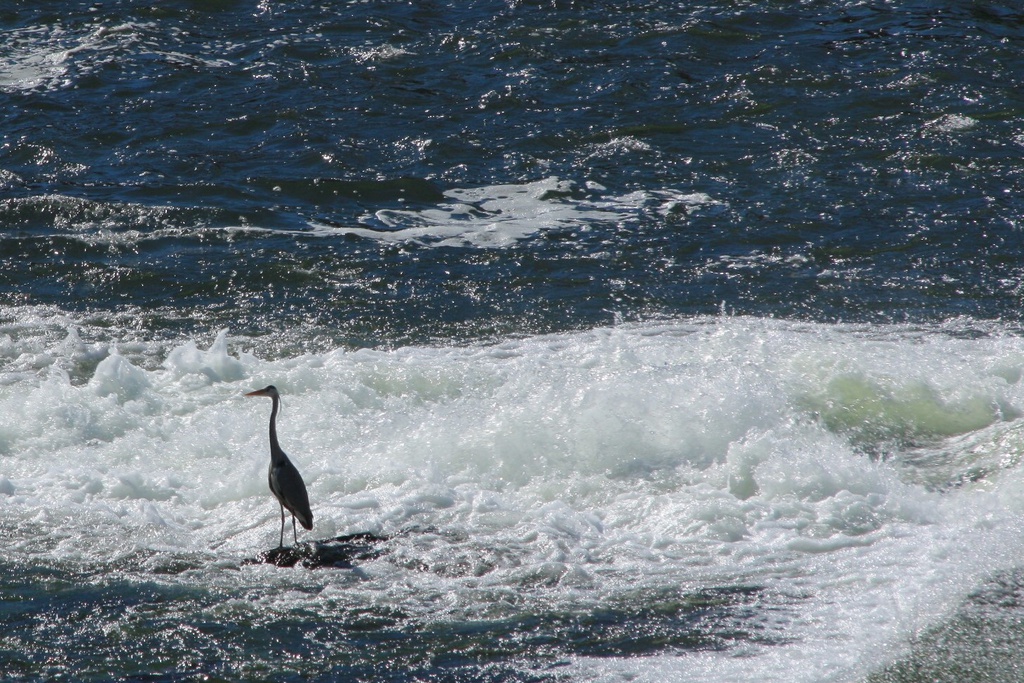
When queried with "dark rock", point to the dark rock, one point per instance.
{"points": [[333, 553]]}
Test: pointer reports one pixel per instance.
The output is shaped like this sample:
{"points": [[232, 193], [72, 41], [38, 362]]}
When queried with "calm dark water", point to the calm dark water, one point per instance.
{"points": [[439, 185]]}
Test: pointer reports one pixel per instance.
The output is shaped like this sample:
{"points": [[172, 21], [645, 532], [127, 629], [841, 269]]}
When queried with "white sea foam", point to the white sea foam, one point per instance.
{"points": [[377, 53], [56, 56], [34, 58], [561, 472], [499, 216], [44, 57], [951, 123]]}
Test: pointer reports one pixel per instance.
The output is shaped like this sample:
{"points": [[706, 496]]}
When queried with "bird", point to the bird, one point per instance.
{"points": [[285, 481]]}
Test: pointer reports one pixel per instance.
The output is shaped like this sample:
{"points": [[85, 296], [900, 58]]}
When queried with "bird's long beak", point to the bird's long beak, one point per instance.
{"points": [[258, 392]]}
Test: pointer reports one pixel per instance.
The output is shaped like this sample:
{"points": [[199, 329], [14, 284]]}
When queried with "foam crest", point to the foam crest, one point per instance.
{"points": [[215, 364], [44, 57], [500, 216], [116, 376]]}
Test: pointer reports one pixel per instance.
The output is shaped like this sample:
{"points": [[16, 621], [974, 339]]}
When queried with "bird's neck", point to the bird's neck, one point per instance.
{"points": [[276, 454]]}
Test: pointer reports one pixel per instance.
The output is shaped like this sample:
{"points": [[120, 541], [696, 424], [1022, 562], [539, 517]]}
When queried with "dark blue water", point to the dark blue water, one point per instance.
{"points": [[865, 157], [323, 177]]}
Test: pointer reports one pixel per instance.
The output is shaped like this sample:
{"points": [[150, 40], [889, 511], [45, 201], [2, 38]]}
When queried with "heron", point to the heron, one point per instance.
{"points": [[285, 481]]}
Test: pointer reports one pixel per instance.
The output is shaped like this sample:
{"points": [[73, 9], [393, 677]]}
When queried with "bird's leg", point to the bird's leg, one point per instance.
{"points": [[295, 534], [281, 543]]}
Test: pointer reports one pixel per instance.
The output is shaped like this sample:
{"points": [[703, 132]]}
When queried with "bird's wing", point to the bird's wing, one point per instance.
{"points": [[287, 483]]}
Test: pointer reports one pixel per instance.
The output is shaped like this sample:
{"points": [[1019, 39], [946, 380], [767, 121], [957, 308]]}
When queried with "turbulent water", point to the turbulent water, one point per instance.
{"points": [[651, 341]]}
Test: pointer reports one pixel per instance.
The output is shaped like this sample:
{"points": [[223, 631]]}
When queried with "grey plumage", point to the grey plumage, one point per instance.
{"points": [[285, 481]]}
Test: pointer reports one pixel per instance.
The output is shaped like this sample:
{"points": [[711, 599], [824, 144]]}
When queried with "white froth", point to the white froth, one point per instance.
{"points": [[55, 56], [499, 216], [951, 123], [560, 469]]}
